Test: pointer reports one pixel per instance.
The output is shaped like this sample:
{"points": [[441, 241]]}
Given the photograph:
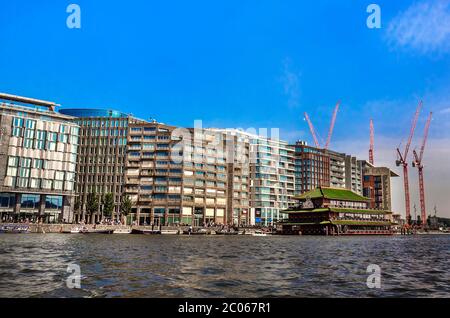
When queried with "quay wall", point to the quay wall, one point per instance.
{"points": [[57, 228]]}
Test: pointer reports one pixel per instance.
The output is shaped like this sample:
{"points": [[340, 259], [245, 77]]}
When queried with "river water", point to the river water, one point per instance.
{"points": [[35, 265]]}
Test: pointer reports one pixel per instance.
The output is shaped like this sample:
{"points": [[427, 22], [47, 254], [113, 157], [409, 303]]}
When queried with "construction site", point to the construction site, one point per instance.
{"points": [[378, 190]]}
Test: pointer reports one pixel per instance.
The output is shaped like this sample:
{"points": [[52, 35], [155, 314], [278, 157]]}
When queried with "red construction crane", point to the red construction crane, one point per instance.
{"points": [[313, 132], [417, 162], [333, 121], [371, 143], [330, 132], [402, 160]]}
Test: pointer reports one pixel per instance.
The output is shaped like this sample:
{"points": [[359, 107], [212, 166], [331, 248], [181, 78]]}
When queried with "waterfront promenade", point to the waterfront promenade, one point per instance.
{"points": [[62, 228]]}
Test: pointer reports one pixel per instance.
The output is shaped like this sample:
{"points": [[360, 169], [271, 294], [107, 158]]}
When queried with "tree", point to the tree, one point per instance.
{"points": [[108, 204], [126, 205], [419, 220], [92, 203], [408, 219], [76, 206]]}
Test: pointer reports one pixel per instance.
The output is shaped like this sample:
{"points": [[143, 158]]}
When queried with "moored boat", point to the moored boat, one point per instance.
{"points": [[122, 231], [170, 232], [95, 231], [147, 232], [260, 233], [196, 232], [15, 228], [226, 232]]}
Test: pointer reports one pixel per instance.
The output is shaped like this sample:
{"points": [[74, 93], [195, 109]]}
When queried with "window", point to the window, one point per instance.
{"points": [[52, 137], [35, 183], [17, 132], [30, 124], [13, 161], [25, 162], [57, 185], [7, 200], [47, 184], [63, 138], [24, 172], [12, 172], [18, 122], [41, 136], [59, 175], [53, 202], [30, 201], [21, 182]]}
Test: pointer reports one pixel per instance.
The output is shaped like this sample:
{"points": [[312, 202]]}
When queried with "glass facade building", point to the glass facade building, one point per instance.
{"points": [[101, 161], [38, 155]]}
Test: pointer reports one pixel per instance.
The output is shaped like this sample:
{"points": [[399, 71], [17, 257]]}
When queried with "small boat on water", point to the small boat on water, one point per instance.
{"points": [[170, 232], [85, 230], [95, 231], [226, 232], [122, 231], [147, 232], [15, 228], [260, 233], [76, 230], [196, 232]]}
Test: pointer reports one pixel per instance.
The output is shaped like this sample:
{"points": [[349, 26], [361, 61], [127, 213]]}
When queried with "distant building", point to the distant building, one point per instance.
{"points": [[101, 160], [187, 176], [38, 155], [337, 169], [312, 168], [334, 211], [377, 186]]}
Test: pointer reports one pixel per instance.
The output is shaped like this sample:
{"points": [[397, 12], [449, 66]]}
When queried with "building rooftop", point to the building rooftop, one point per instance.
{"points": [[93, 112], [332, 194], [341, 210]]}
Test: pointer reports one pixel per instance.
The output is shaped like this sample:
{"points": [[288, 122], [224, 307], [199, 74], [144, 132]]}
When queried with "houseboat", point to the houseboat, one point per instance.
{"points": [[333, 211]]}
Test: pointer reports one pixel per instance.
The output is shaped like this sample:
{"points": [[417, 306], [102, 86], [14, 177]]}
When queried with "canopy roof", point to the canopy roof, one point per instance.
{"points": [[332, 194]]}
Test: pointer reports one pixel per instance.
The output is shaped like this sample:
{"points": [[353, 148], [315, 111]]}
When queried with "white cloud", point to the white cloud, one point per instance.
{"points": [[445, 111], [423, 27], [291, 84]]}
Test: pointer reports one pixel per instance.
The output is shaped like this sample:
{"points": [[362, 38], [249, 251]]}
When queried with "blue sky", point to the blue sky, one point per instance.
{"points": [[243, 64]]}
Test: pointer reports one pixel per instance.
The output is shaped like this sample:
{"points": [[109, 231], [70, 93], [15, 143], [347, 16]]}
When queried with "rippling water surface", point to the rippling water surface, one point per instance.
{"points": [[35, 265]]}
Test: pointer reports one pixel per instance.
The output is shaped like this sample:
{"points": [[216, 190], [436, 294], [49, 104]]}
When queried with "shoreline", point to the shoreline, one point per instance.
{"points": [[64, 228]]}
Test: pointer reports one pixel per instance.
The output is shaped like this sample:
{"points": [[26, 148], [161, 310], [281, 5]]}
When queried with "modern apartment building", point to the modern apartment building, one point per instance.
{"points": [[186, 176], [38, 155], [272, 173], [337, 169], [101, 159], [312, 168], [345, 172], [353, 174], [377, 186]]}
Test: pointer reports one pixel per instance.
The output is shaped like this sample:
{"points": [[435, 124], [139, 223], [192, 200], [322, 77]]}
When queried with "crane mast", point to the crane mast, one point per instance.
{"points": [[333, 121], [417, 162], [371, 148], [403, 161], [313, 132]]}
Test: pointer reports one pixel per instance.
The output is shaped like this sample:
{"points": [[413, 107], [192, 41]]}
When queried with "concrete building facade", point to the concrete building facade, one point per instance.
{"points": [[345, 172], [38, 155], [186, 176], [272, 173], [312, 168], [377, 186], [101, 160]]}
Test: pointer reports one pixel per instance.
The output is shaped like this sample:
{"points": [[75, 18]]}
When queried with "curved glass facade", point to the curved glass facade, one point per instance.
{"points": [[92, 112]]}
